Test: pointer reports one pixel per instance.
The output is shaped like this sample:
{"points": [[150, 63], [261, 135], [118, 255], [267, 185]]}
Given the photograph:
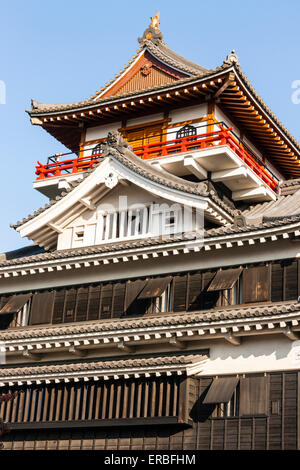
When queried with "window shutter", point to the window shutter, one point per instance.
{"points": [[253, 396], [69, 312], [94, 302], [106, 301], [58, 308], [154, 287], [194, 291], [179, 293], [256, 284], [15, 303], [291, 281], [221, 390], [225, 279], [133, 290], [118, 299], [277, 283], [41, 308], [209, 299], [82, 304]]}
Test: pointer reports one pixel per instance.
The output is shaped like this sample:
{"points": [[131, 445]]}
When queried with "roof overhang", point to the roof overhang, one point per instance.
{"points": [[227, 86], [44, 228]]}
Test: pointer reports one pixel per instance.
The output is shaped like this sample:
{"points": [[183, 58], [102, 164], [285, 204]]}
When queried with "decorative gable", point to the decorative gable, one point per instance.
{"points": [[146, 72], [126, 213]]}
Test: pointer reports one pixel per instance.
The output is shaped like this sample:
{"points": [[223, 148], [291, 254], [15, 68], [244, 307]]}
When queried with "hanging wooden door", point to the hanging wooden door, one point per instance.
{"points": [[140, 139]]}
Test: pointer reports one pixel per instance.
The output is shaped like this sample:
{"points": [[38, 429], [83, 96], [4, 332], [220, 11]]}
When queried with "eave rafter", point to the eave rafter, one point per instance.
{"points": [[178, 331], [136, 253]]}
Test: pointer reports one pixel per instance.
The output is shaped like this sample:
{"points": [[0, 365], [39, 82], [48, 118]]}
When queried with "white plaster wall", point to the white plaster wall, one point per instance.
{"points": [[255, 354], [99, 132], [144, 119], [186, 114], [220, 117]]}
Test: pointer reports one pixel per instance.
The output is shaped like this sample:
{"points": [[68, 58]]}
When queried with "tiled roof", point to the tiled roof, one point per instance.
{"points": [[246, 312], [159, 50], [141, 167], [151, 242], [289, 186], [140, 363], [284, 207]]}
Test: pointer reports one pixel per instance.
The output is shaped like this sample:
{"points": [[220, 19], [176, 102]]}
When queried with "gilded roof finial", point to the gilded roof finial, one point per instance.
{"points": [[152, 33], [155, 21]]}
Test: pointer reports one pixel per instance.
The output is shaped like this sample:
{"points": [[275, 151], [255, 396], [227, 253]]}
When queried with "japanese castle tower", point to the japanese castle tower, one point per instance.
{"points": [[157, 306]]}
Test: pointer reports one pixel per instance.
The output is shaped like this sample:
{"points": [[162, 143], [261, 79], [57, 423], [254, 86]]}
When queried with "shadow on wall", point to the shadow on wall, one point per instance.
{"points": [[200, 412], [279, 347]]}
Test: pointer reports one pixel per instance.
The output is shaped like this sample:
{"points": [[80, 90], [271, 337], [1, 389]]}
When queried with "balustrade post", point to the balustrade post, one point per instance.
{"points": [[57, 171], [164, 150], [146, 151], [224, 137], [40, 172], [75, 166]]}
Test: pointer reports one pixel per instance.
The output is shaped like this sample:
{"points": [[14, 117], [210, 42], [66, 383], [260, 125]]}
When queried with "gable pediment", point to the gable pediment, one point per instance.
{"points": [[146, 72], [120, 173]]}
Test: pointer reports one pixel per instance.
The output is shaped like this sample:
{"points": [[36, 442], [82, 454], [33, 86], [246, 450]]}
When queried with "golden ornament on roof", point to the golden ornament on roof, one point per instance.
{"points": [[155, 21]]}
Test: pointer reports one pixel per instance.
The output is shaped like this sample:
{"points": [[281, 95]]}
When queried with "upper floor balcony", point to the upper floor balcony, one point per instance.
{"points": [[207, 152]]}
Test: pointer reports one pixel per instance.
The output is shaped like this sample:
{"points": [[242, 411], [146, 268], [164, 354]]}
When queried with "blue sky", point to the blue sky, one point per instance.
{"points": [[62, 51]]}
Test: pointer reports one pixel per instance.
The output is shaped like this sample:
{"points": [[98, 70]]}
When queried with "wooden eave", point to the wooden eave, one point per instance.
{"points": [[227, 87], [123, 252]]}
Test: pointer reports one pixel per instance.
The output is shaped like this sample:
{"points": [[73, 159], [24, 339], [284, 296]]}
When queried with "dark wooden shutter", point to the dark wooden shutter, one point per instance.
{"points": [[208, 299], [256, 284], [154, 287], [69, 313], [41, 308], [118, 299], [82, 304], [277, 282], [253, 395], [225, 279], [15, 303], [132, 291], [221, 390], [58, 308], [194, 291], [106, 301], [291, 281], [94, 302], [179, 293]]}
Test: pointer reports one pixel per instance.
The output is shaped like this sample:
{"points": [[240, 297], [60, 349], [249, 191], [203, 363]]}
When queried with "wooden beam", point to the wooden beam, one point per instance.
{"points": [[177, 343], [77, 352], [124, 347], [293, 336], [233, 339], [225, 85]]}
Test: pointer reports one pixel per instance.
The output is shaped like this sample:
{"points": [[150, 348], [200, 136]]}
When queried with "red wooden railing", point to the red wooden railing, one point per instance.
{"points": [[222, 136]]}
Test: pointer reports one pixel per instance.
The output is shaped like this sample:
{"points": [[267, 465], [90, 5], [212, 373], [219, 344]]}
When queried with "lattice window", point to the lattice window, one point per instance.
{"points": [[186, 131], [97, 149], [153, 397]]}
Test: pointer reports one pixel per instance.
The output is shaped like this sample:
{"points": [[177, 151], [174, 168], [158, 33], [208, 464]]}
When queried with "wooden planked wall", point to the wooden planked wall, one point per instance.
{"points": [[277, 430]]}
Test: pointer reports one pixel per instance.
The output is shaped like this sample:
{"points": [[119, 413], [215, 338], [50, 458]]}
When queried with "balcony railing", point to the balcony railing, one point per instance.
{"points": [[223, 136]]}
